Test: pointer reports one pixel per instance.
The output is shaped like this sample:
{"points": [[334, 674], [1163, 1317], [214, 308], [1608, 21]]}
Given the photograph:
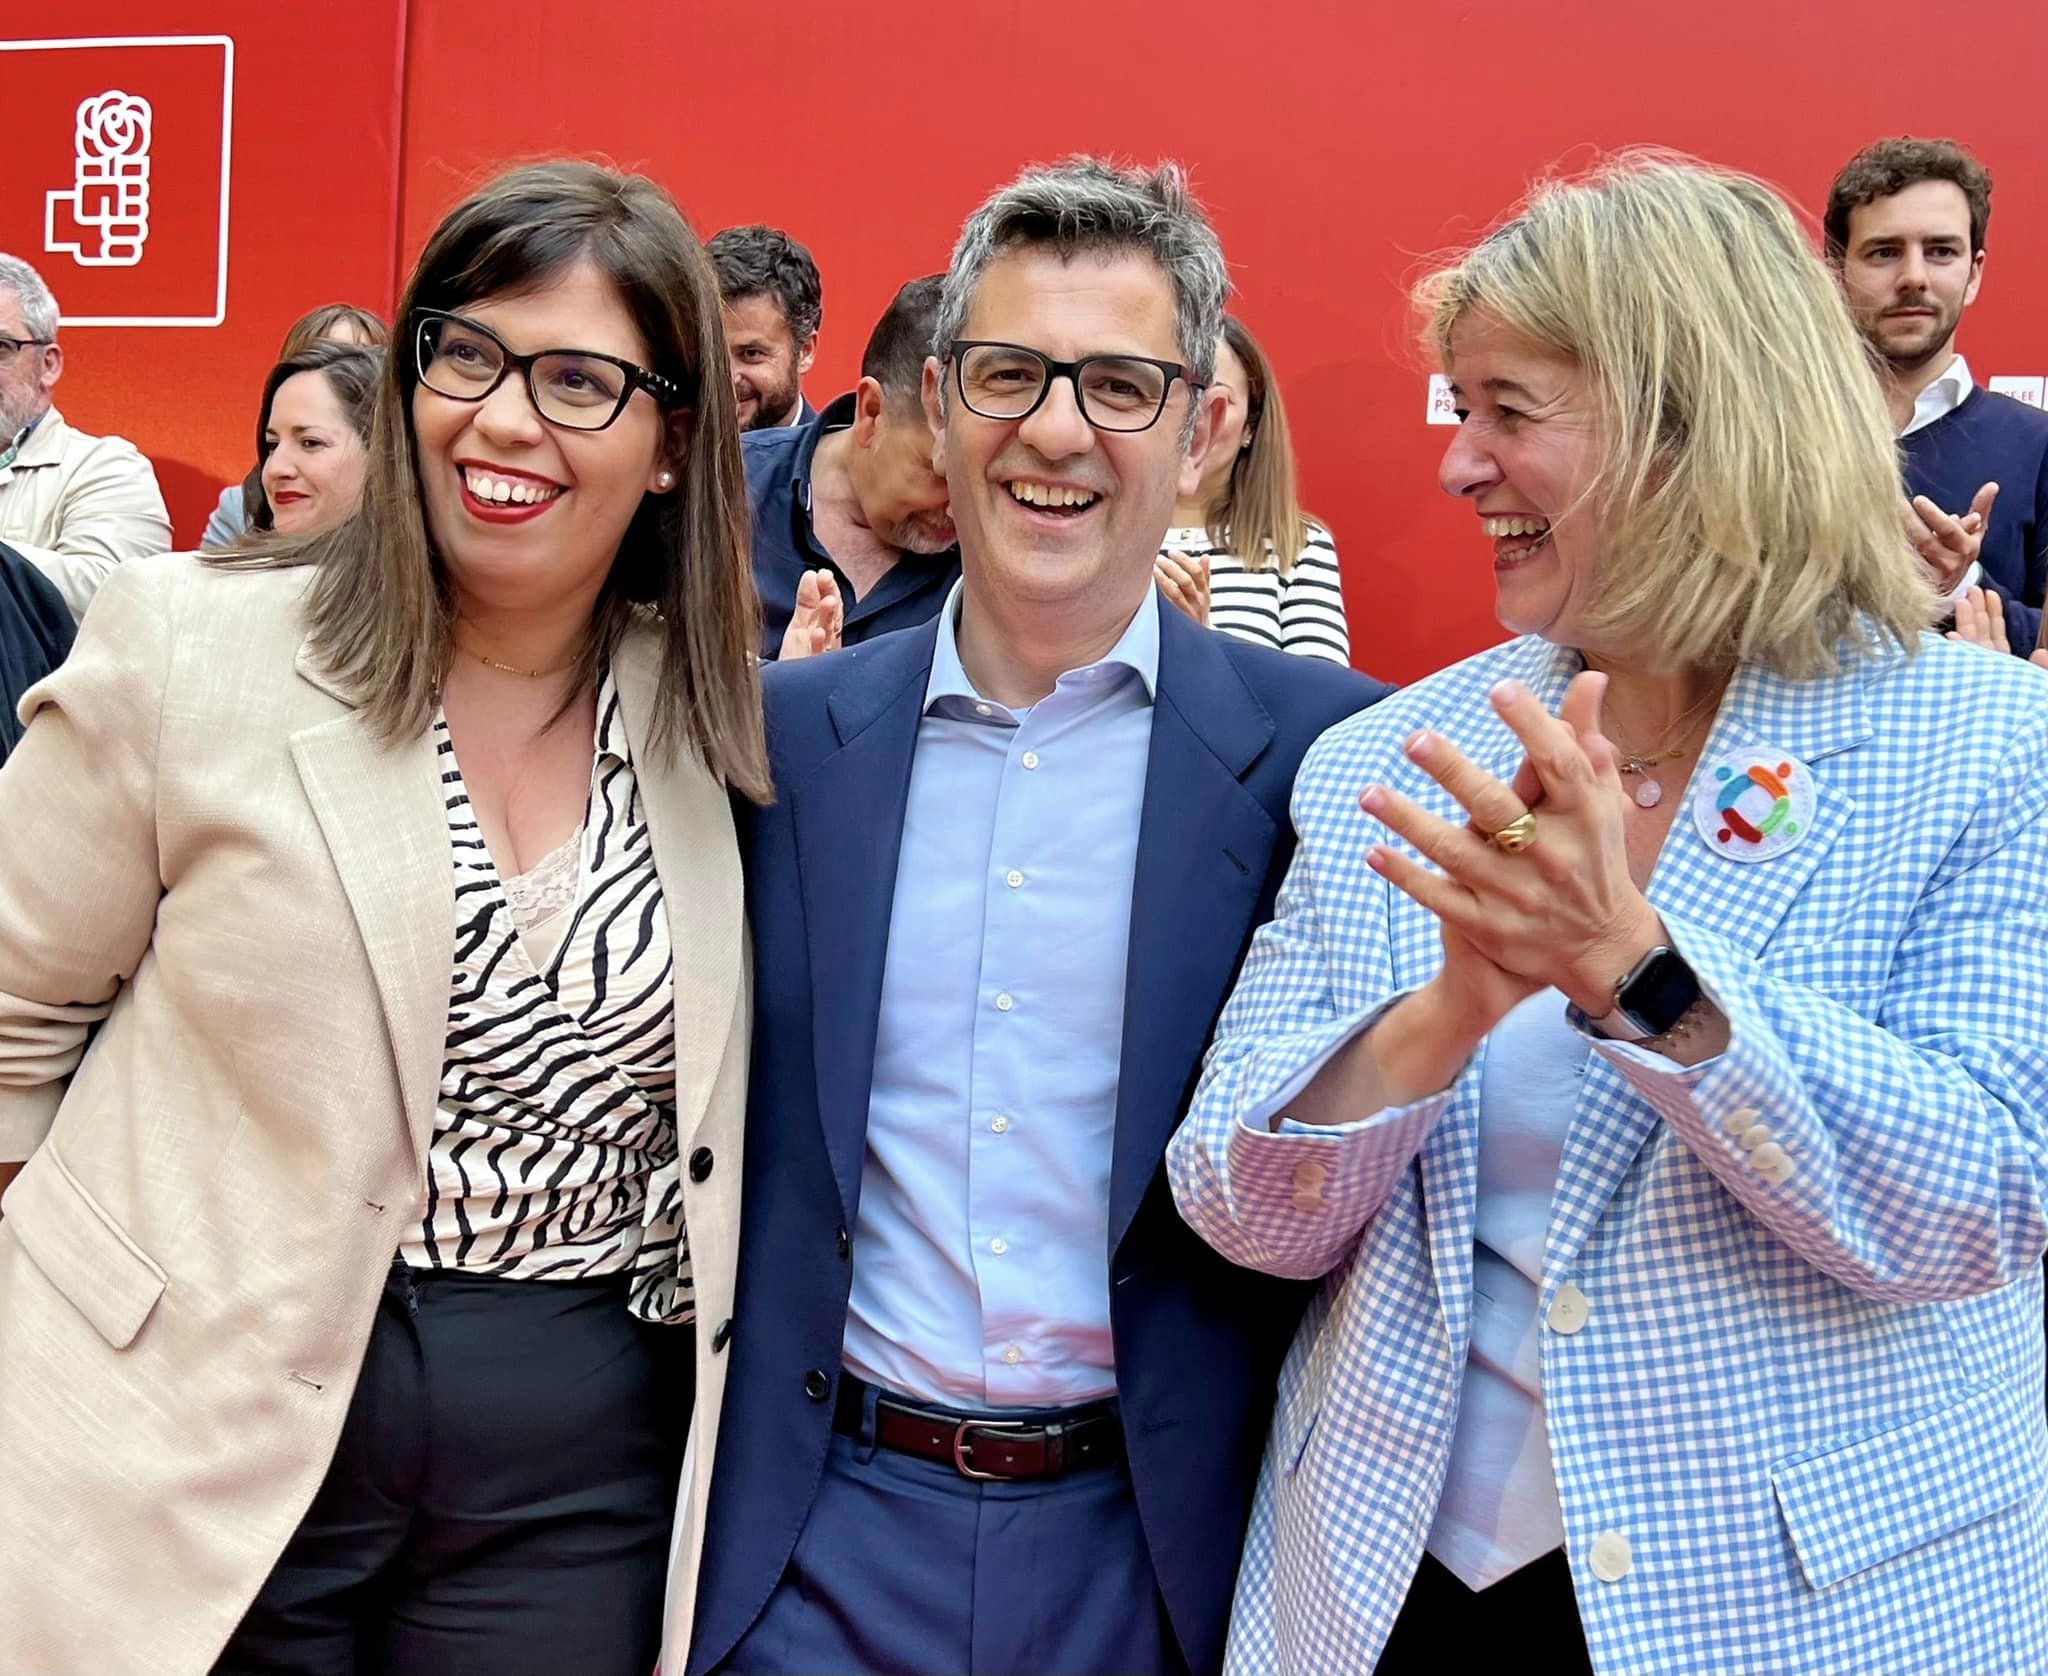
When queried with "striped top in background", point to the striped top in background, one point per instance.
{"points": [[1302, 611], [554, 1153]]}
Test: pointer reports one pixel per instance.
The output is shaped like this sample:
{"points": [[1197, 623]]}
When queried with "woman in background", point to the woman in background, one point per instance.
{"points": [[312, 438], [1243, 556], [341, 323]]}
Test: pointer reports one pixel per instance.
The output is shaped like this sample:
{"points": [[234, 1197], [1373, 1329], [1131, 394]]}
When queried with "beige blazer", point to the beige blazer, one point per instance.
{"points": [[75, 506], [205, 854]]}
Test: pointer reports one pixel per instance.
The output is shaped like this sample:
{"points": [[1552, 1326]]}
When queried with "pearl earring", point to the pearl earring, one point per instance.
{"points": [[665, 479]]}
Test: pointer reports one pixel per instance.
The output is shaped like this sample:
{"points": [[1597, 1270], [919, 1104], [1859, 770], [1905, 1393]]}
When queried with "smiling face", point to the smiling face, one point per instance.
{"points": [[1908, 271], [1051, 511], [313, 461], [528, 515], [1526, 454], [768, 364]]}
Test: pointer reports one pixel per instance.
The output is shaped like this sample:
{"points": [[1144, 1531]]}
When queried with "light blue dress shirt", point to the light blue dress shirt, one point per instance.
{"points": [[981, 1270]]}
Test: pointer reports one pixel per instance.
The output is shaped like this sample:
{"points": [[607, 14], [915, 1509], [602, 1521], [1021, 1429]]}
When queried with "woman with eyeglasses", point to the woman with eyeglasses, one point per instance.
{"points": [[374, 1014]]}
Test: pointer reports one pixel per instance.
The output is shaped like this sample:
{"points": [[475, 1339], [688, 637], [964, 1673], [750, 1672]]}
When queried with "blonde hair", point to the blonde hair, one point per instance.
{"points": [[1259, 518], [1750, 491]]}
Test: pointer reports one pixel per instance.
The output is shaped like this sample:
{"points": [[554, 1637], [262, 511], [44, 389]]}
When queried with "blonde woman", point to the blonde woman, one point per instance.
{"points": [[1653, 1066], [1243, 556], [374, 1015]]}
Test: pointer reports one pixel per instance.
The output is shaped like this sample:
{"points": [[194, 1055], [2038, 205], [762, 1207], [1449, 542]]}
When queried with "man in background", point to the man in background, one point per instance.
{"points": [[852, 537], [74, 506], [773, 304], [1905, 224]]}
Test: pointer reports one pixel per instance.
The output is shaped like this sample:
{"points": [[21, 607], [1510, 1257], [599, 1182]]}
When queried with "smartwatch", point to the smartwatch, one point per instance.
{"points": [[1651, 997]]}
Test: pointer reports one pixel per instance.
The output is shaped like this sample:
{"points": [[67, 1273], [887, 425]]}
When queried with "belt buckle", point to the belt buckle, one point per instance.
{"points": [[961, 1446]]}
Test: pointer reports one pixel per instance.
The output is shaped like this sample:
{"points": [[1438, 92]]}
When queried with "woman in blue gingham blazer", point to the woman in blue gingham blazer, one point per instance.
{"points": [[1789, 1314]]}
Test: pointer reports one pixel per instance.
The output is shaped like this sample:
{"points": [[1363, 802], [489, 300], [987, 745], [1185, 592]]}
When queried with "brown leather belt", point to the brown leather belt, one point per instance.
{"points": [[986, 1446]]}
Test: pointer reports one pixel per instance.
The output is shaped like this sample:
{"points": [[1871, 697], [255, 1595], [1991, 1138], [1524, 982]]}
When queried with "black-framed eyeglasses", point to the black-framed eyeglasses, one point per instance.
{"points": [[1115, 392], [578, 389], [11, 347]]}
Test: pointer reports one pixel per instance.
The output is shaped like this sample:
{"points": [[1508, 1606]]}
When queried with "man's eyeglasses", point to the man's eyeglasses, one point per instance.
{"points": [[1115, 392], [11, 347], [578, 389]]}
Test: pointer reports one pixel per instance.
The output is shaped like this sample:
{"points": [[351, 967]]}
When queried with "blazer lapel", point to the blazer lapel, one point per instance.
{"points": [[381, 811], [1449, 1162], [1204, 846], [1741, 902], [847, 819], [696, 857]]}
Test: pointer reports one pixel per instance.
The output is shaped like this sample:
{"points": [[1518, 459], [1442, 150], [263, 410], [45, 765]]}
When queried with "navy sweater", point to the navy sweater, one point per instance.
{"points": [[1994, 439]]}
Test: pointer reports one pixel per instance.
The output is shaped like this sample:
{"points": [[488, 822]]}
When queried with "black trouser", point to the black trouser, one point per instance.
{"points": [[1530, 1614], [501, 1499]]}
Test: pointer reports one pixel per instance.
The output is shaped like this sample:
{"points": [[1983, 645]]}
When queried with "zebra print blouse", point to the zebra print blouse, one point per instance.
{"points": [[554, 1154]]}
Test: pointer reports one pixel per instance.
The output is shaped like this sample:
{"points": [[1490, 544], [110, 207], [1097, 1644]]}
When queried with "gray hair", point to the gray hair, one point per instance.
{"points": [[38, 307], [1087, 204]]}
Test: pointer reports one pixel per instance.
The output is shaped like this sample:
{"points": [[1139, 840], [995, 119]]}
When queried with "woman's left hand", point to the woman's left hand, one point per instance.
{"points": [[1563, 912]]}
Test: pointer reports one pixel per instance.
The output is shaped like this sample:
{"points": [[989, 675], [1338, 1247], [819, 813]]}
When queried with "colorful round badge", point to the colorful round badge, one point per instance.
{"points": [[1751, 805]]}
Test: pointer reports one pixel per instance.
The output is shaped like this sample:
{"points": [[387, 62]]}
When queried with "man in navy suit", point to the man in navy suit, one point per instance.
{"points": [[992, 1407]]}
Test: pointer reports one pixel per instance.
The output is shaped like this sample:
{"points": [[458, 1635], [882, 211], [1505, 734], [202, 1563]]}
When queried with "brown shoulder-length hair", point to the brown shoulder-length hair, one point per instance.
{"points": [[381, 609], [352, 373], [1259, 517]]}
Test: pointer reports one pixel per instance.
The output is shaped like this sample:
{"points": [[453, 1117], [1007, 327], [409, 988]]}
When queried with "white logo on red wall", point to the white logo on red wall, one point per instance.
{"points": [[103, 221], [118, 153]]}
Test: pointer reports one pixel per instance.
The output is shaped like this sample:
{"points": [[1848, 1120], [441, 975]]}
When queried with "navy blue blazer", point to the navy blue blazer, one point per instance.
{"points": [[1198, 1340], [35, 634]]}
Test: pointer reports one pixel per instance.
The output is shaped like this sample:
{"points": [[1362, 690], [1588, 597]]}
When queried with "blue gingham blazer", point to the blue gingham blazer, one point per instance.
{"points": [[1800, 1428]]}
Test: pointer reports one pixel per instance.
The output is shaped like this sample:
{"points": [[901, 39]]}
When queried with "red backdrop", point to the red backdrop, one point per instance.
{"points": [[1335, 144]]}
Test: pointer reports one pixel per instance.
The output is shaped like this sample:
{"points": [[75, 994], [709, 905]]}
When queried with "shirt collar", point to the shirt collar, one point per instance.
{"points": [[1942, 397], [13, 448], [1137, 649], [838, 416]]}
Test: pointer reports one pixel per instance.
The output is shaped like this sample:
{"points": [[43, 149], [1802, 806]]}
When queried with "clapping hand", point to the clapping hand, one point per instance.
{"points": [[818, 620], [1980, 619], [1184, 579], [1562, 911]]}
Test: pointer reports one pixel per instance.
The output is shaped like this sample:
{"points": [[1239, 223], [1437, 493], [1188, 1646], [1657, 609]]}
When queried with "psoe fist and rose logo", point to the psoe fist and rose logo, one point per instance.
{"points": [[119, 162]]}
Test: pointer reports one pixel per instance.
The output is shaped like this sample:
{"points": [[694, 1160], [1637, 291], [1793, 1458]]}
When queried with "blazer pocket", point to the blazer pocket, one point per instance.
{"points": [[1856, 1505], [81, 1250]]}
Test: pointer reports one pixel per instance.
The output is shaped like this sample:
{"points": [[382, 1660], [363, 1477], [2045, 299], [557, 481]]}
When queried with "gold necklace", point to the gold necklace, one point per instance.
{"points": [[1651, 792], [514, 669]]}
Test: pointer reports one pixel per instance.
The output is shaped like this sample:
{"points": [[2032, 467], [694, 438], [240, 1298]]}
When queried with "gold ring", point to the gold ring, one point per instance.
{"points": [[1517, 835]]}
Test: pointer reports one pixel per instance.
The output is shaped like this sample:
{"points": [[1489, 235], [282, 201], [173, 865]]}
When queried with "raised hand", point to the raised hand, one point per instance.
{"points": [[818, 620], [1563, 911], [1184, 579]]}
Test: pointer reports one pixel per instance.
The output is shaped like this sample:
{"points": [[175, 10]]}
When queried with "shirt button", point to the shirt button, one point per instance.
{"points": [[983, 710], [1768, 1157], [1030, 759], [1568, 1310], [1611, 1556], [1005, 1001], [1740, 1119], [1013, 878], [999, 1245], [1012, 1355], [1753, 1137], [1000, 1124]]}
